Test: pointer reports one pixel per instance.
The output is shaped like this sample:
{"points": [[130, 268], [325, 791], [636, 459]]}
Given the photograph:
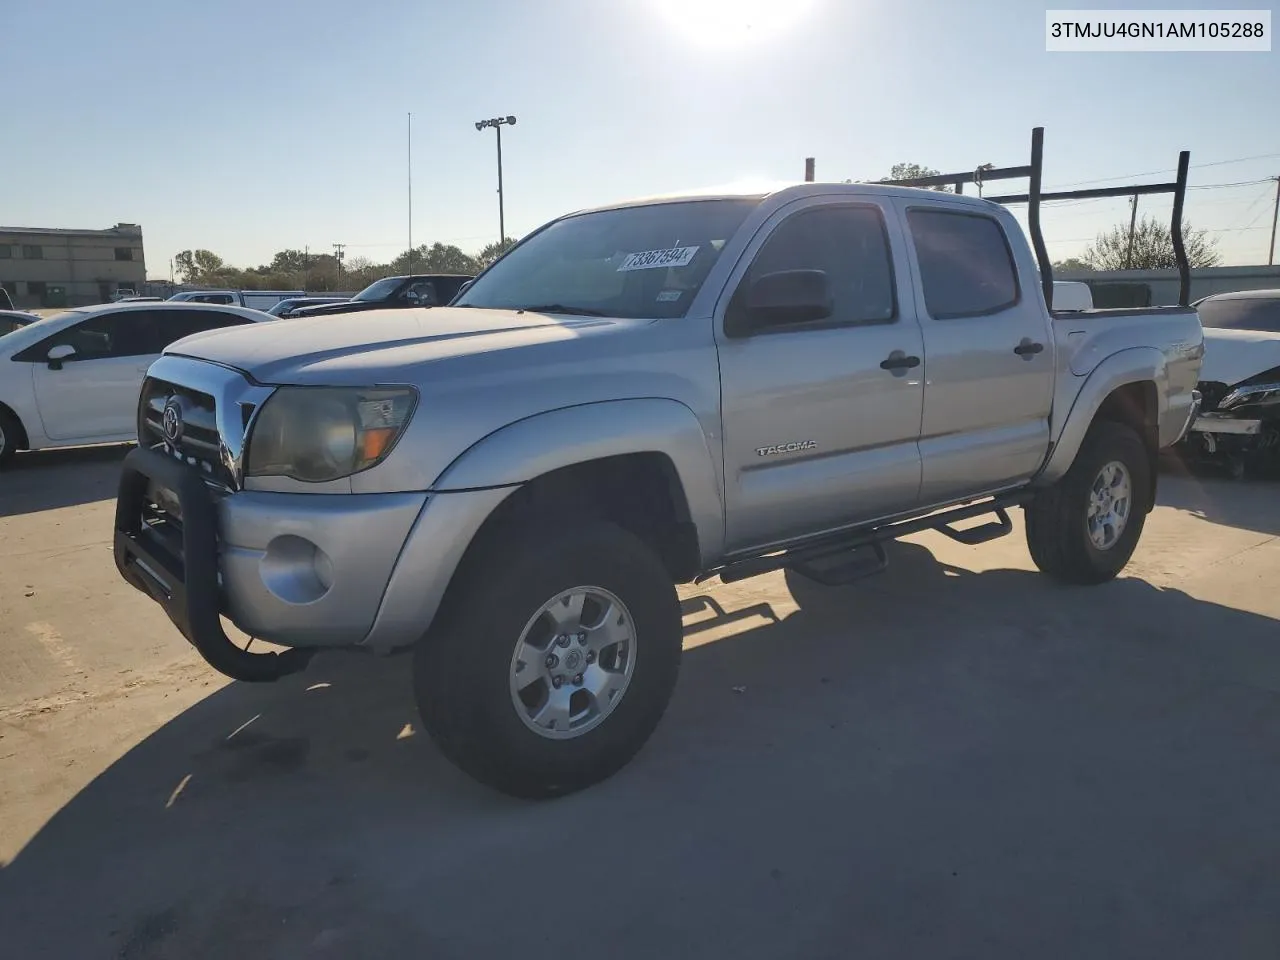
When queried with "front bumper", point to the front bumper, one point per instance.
{"points": [[301, 570], [1223, 424], [1186, 417], [179, 569]]}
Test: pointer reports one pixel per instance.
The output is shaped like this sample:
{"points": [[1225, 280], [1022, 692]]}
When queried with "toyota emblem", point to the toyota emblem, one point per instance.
{"points": [[171, 420]]}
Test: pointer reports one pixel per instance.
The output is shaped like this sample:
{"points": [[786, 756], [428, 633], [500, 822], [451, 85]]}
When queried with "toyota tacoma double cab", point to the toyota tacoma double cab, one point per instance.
{"points": [[633, 397]]}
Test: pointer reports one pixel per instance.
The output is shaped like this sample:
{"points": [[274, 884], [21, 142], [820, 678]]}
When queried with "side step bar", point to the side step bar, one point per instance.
{"points": [[808, 559]]}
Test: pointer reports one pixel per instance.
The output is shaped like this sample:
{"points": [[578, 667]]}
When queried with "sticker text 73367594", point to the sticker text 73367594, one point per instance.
{"points": [[654, 259]]}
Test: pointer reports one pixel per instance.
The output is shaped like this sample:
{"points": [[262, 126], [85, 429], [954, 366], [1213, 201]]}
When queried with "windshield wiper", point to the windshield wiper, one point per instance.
{"points": [[560, 308]]}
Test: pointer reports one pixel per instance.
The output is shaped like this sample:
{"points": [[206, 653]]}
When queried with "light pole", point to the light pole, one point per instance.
{"points": [[497, 124], [409, 164]]}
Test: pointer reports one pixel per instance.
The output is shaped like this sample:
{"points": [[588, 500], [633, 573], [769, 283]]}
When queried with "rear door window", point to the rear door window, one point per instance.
{"points": [[966, 266]]}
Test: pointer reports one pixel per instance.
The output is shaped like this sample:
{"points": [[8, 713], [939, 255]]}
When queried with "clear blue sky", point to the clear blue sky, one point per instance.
{"points": [[247, 127]]}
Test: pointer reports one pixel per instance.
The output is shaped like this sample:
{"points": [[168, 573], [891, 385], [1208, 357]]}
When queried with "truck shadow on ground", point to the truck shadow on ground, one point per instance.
{"points": [[49, 479], [1203, 491], [933, 763]]}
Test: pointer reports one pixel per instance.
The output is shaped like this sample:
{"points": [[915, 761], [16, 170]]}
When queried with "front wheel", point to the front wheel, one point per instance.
{"points": [[1086, 526], [554, 659]]}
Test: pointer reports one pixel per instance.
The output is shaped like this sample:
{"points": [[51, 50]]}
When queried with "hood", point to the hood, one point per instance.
{"points": [[1234, 355], [363, 349]]}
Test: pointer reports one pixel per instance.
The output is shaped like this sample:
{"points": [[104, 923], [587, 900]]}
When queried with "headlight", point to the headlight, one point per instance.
{"points": [[326, 433]]}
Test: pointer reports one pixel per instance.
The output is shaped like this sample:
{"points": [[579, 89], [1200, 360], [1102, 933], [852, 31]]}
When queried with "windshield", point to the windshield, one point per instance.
{"points": [[647, 261], [379, 289], [10, 322], [38, 327], [1241, 313]]}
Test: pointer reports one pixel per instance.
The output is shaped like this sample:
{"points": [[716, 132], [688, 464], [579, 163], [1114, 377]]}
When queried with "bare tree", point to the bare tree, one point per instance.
{"points": [[1151, 249]]}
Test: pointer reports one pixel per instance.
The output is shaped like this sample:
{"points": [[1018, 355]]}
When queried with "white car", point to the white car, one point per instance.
{"points": [[1239, 423], [74, 378]]}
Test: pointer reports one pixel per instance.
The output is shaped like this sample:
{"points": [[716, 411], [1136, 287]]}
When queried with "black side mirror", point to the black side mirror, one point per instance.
{"points": [[784, 298]]}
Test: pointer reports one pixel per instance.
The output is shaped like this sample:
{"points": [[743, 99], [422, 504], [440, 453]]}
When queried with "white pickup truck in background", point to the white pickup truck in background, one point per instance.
{"points": [[252, 299]]}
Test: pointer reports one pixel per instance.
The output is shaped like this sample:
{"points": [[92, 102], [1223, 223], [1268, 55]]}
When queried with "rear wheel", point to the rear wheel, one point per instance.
{"points": [[1085, 527], [553, 660]]}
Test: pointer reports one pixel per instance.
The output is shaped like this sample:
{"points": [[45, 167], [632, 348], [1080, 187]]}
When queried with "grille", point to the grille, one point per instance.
{"points": [[198, 443]]}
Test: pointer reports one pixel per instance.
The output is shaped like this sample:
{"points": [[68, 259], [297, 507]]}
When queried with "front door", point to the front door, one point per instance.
{"points": [[821, 421], [93, 394], [989, 387]]}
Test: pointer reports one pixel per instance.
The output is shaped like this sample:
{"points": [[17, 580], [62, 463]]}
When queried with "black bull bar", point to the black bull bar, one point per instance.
{"points": [[185, 583]]}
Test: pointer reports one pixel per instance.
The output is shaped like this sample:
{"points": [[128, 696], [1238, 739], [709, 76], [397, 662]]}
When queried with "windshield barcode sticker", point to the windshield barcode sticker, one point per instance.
{"points": [[654, 259]]}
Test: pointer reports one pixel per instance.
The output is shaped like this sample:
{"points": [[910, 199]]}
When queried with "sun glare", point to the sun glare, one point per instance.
{"points": [[732, 23]]}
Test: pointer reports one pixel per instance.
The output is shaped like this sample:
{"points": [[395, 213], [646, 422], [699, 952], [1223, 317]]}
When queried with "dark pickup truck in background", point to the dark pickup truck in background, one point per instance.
{"points": [[419, 290]]}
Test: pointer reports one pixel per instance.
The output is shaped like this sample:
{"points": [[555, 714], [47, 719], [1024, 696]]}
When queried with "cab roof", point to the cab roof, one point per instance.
{"points": [[784, 190]]}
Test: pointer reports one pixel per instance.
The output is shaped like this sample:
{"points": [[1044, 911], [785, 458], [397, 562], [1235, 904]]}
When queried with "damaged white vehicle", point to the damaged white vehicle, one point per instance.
{"points": [[1239, 423]]}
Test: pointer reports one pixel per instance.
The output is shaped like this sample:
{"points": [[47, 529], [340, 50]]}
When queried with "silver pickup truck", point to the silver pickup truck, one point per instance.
{"points": [[646, 394]]}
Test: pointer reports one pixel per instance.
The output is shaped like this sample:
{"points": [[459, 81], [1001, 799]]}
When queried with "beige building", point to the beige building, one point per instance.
{"points": [[51, 267]]}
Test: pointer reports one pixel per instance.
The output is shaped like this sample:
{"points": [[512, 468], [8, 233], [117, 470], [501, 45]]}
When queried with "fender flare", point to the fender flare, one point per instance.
{"points": [[521, 451], [1133, 365]]}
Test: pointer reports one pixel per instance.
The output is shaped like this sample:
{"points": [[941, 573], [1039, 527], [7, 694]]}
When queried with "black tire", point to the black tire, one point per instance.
{"points": [[1057, 529], [462, 667], [10, 436]]}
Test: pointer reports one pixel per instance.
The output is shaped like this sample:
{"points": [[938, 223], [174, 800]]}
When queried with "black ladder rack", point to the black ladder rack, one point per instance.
{"points": [[1035, 195]]}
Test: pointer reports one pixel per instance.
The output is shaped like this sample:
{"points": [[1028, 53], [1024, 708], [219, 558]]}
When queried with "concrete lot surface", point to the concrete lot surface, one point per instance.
{"points": [[954, 759]]}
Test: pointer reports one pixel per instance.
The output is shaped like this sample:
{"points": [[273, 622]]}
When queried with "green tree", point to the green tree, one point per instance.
{"points": [[1151, 249], [288, 261], [911, 171], [1071, 263], [493, 251], [197, 266], [207, 262], [436, 258], [185, 267]]}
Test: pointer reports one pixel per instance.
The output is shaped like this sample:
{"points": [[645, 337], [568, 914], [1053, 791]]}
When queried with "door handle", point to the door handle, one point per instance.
{"points": [[899, 361], [1028, 348]]}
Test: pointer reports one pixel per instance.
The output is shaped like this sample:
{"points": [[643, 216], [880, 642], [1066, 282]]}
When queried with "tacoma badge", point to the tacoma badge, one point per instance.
{"points": [[786, 448]]}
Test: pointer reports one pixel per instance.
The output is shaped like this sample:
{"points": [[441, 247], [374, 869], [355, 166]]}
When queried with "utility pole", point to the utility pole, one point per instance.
{"points": [[1133, 220], [411, 193], [337, 252], [1275, 215], [809, 169], [497, 123], [306, 268]]}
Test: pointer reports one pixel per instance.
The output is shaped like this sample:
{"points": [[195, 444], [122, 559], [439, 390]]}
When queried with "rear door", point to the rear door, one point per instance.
{"points": [[820, 425], [988, 391]]}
